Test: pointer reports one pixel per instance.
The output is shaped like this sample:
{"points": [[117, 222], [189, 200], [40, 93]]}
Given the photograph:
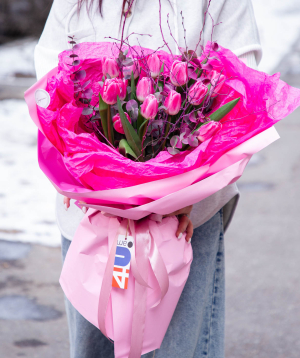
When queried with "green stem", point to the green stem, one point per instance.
{"points": [[166, 133], [143, 132], [110, 131], [103, 116]]}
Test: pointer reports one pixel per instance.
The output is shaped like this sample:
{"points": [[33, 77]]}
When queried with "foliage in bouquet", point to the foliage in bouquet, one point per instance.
{"points": [[146, 105]]}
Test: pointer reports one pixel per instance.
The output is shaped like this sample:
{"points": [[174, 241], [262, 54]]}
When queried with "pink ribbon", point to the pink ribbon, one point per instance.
{"points": [[142, 242], [107, 279], [146, 251]]}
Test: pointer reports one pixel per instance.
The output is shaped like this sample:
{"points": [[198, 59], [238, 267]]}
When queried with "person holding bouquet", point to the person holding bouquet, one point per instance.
{"points": [[197, 326]]}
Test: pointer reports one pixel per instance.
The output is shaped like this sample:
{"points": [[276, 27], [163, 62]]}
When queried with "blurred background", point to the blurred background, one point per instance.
{"points": [[262, 244]]}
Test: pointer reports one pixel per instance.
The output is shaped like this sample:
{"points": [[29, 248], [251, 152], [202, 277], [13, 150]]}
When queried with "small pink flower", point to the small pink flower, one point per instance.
{"points": [[179, 73], [144, 88], [118, 124], [217, 80], [135, 68], [154, 65], [150, 107], [208, 130], [197, 93], [173, 103], [110, 67], [112, 88]]}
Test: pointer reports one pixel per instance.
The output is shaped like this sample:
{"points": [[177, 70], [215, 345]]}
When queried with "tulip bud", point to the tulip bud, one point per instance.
{"points": [[135, 68], [217, 80], [113, 88], [154, 65], [179, 73], [110, 67], [173, 103], [144, 88], [150, 107], [208, 130], [197, 93], [118, 123]]}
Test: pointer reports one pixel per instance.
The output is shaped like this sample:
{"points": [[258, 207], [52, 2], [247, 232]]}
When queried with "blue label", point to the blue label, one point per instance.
{"points": [[123, 256]]}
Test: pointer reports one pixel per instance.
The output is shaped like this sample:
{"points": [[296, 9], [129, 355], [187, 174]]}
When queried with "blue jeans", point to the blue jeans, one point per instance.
{"points": [[197, 327]]}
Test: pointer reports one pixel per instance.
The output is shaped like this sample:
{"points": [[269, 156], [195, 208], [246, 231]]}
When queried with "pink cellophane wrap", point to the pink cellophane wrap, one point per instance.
{"points": [[83, 168], [162, 196], [264, 101], [85, 266]]}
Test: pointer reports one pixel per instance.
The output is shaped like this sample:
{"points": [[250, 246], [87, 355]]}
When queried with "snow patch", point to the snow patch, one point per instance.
{"points": [[17, 61], [27, 210]]}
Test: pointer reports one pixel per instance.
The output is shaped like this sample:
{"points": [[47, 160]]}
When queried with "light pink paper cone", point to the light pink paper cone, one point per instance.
{"points": [[84, 268]]}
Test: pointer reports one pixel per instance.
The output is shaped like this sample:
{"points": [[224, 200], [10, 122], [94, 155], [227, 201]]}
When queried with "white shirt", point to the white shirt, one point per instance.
{"points": [[237, 31]]}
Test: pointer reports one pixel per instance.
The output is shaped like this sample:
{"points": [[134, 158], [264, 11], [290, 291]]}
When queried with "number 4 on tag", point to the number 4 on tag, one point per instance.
{"points": [[122, 262]]}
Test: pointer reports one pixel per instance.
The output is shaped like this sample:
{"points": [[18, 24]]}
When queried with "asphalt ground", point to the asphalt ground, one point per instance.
{"points": [[262, 263]]}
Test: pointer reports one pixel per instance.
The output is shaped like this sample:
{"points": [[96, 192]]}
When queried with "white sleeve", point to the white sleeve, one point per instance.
{"points": [[53, 39], [250, 60], [236, 29]]}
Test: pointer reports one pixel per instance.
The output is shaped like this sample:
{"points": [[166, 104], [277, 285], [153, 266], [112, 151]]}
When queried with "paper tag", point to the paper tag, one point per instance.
{"points": [[42, 98], [122, 262]]}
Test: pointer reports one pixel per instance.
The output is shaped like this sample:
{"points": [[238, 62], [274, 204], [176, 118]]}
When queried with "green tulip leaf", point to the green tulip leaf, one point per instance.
{"points": [[110, 128], [125, 150], [130, 134], [133, 88], [102, 105], [103, 108], [224, 110], [143, 128], [140, 120]]}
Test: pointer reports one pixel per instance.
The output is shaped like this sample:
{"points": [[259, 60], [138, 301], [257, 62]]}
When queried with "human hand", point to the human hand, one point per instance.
{"points": [[185, 223], [67, 204]]}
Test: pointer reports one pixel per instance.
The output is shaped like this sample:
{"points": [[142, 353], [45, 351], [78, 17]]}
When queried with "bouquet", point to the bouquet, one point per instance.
{"points": [[134, 134]]}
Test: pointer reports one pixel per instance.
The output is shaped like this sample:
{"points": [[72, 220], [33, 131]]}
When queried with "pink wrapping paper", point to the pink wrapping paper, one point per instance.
{"points": [[264, 101], [162, 196], [84, 270]]}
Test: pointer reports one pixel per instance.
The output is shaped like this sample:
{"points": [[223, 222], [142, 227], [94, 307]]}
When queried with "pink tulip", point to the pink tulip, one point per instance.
{"points": [[208, 130], [197, 93], [118, 124], [154, 65], [135, 68], [144, 88], [150, 107], [179, 73], [110, 67], [173, 103], [112, 88], [217, 80]]}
